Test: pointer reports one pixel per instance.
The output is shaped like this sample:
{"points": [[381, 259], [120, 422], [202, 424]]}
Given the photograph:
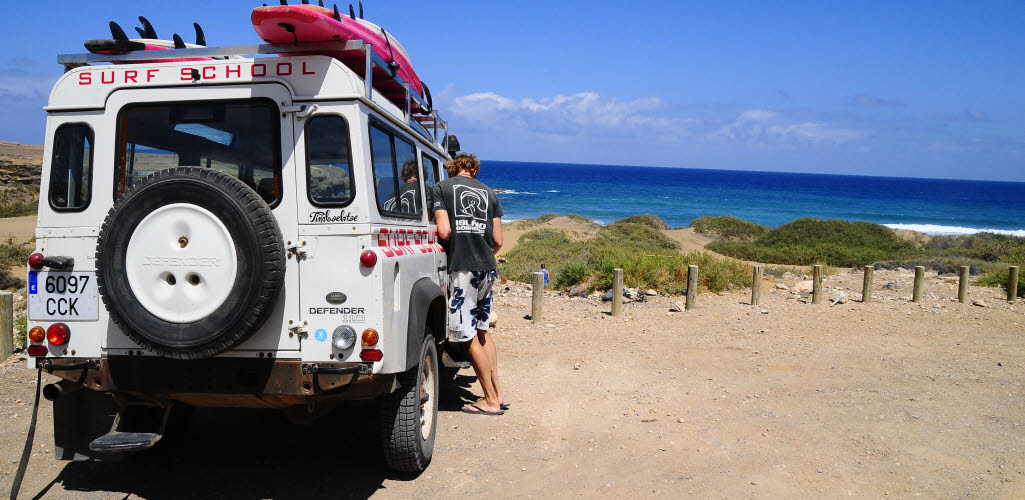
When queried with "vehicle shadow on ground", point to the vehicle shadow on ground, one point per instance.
{"points": [[229, 453], [234, 453]]}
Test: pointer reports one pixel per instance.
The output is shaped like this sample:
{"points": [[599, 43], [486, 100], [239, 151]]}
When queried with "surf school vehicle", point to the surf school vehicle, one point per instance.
{"points": [[303, 23], [225, 233]]}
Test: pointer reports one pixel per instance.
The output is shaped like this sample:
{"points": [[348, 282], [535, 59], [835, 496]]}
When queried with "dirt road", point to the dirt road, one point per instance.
{"points": [[888, 400]]}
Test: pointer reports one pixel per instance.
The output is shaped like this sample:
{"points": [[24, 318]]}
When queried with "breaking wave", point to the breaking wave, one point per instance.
{"points": [[935, 230]]}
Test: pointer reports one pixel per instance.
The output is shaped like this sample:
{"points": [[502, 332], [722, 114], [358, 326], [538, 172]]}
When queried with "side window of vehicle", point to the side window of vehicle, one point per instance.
{"points": [[396, 174], [328, 161], [430, 178], [71, 168]]}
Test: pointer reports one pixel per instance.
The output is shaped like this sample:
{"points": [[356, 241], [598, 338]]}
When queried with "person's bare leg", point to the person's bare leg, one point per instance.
{"points": [[492, 350], [481, 361]]}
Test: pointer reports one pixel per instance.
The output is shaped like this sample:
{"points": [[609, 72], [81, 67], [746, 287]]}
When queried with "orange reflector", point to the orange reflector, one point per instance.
{"points": [[370, 355], [36, 334], [37, 350], [57, 334], [370, 337]]}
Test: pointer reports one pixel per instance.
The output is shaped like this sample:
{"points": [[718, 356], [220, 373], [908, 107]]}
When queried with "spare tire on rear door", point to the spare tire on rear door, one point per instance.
{"points": [[189, 262]]}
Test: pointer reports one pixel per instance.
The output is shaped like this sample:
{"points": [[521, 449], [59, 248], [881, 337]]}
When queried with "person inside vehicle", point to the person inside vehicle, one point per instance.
{"points": [[407, 200], [469, 219]]}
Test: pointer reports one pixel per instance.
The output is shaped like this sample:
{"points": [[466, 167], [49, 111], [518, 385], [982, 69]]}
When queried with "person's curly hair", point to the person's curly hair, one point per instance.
{"points": [[467, 162], [409, 170]]}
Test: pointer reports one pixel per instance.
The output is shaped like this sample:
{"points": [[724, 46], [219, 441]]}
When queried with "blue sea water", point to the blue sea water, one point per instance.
{"points": [[608, 193]]}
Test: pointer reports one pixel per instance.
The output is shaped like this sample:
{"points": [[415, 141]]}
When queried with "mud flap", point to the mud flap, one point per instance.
{"points": [[79, 417]]}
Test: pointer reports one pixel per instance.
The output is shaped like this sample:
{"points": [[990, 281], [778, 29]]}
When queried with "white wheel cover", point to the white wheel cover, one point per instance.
{"points": [[203, 270]]}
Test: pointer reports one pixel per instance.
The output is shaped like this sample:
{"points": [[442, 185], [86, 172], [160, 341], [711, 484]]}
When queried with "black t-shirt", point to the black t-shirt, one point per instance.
{"points": [[472, 208]]}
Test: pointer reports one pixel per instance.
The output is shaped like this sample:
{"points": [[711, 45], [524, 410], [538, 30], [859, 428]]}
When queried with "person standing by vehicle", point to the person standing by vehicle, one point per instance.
{"points": [[470, 221]]}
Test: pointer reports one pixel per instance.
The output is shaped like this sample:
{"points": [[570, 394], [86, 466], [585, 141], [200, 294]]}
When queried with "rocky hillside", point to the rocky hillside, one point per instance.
{"points": [[20, 163]]}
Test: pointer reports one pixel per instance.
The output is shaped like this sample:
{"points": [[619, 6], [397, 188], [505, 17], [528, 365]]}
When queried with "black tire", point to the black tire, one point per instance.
{"points": [[260, 262], [404, 446]]}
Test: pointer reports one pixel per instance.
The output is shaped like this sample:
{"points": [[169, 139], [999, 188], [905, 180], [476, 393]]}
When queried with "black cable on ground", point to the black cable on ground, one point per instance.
{"points": [[18, 476]]}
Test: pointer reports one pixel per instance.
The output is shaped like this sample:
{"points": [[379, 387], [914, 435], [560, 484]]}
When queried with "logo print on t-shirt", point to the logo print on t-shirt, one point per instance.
{"points": [[471, 203]]}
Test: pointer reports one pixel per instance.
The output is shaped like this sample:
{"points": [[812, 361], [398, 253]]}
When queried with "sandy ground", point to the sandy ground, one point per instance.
{"points": [[21, 228], [788, 399]]}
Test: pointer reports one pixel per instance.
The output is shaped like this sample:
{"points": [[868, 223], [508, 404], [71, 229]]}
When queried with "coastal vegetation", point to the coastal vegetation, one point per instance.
{"points": [[834, 242], [728, 228], [648, 258]]}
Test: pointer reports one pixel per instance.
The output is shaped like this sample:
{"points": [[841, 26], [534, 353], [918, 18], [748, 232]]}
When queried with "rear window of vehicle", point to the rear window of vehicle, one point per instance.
{"points": [[71, 168], [239, 138], [328, 161]]}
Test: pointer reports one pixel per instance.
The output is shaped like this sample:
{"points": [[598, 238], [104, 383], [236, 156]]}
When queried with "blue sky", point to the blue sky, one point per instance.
{"points": [[932, 89]]}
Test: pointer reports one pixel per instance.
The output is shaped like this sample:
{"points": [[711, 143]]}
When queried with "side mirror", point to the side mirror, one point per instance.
{"points": [[453, 145]]}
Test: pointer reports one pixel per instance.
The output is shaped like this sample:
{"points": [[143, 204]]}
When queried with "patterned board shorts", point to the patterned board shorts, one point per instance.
{"points": [[469, 307]]}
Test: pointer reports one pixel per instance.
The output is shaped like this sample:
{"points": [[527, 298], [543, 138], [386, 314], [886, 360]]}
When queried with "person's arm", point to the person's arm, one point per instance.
{"points": [[496, 234], [444, 229]]}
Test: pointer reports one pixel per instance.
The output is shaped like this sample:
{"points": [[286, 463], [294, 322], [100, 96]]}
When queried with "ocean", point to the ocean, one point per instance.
{"points": [[606, 193]]}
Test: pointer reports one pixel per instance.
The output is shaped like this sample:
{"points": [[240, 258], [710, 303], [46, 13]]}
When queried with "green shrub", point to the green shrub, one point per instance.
{"points": [[572, 273], [648, 258], [728, 227], [13, 254], [999, 279], [650, 220], [17, 200], [834, 242], [20, 330]]}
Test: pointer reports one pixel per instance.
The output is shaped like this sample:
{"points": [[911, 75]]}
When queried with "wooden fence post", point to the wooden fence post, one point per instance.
{"points": [[962, 285], [866, 284], [756, 286], [916, 295], [692, 287], [816, 284], [617, 292], [6, 325], [538, 298], [1012, 283]]}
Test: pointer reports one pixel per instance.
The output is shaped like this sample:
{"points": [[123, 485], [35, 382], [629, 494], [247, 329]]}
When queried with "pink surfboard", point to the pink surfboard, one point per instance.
{"points": [[311, 23]]}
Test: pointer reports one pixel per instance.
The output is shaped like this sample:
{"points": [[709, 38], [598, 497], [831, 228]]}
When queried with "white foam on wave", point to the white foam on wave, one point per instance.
{"points": [[937, 230], [511, 191], [553, 191]]}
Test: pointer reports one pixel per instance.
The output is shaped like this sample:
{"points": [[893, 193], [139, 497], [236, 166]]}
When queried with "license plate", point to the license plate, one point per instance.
{"points": [[65, 296]]}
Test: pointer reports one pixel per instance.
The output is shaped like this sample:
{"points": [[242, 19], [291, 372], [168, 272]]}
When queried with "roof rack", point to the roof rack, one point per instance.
{"points": [[356, 54]]}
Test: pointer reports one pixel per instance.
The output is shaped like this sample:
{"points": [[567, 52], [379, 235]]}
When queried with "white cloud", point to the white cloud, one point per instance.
{"points": [[755, 125], [584, 113], [26, 85]]}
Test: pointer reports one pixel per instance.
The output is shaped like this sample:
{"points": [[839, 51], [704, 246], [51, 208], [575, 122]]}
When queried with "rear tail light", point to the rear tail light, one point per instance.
{"points": [[370, 355], [35, 261], [370, 337], [57, 334], [368, 258], [37, 334], [37, 350]]}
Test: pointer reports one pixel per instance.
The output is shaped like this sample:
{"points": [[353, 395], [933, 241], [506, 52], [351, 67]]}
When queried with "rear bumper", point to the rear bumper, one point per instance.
{"points": [[224, 382]]}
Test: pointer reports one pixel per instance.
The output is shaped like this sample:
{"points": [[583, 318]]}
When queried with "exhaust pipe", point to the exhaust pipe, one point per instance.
{"points": [[52, 391]]}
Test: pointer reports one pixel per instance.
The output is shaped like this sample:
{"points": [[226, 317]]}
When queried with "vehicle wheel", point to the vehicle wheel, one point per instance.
{"points": [[409, 415], [189, 262]]}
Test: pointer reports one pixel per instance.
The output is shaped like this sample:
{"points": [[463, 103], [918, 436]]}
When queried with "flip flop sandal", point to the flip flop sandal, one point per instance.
{"points": [[505, 406], [481, 411]]}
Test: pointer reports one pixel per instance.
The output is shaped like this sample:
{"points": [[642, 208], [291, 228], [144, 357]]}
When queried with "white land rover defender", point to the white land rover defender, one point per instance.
{"points": [[227, 231]]}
